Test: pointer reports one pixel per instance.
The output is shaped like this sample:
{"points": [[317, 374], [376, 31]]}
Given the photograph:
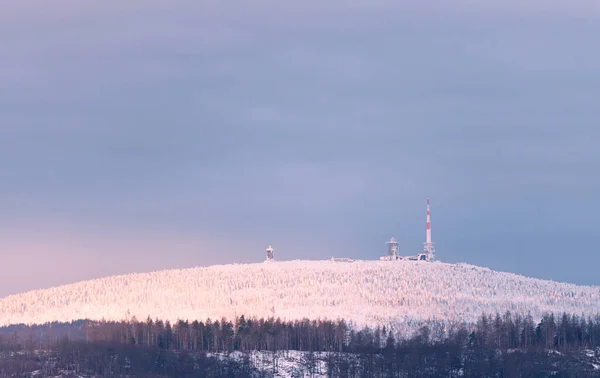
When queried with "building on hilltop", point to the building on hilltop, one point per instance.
{"points": [[428, 253], [341, 259], [269, 254], [392, 250]]}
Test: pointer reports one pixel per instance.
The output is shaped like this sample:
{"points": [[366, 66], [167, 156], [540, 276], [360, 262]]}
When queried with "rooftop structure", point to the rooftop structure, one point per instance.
{"points": [[341, 259], [269, 254]]}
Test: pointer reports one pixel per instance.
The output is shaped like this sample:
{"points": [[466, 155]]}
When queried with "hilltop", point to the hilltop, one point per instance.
{"points": [[363, 292]]}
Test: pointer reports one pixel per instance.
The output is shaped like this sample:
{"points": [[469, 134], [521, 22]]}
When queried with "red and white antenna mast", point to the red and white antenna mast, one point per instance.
{"points": [[428, 247], [428, 225]]}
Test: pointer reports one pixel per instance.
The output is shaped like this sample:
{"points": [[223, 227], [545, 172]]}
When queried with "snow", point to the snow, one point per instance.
{"points": [[288, 364], [363, 292], [590, 353]]}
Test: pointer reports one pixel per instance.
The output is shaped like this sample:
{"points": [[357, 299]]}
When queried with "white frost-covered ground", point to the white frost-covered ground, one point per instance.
{"points": [[289, 363], [364, 292]]}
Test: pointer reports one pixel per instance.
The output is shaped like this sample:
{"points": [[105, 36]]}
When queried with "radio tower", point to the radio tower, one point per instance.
{"points": [[428, 247]]}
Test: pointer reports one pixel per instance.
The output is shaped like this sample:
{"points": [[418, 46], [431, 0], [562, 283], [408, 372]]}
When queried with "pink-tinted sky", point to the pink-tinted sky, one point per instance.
{"points": [[144, 135]]}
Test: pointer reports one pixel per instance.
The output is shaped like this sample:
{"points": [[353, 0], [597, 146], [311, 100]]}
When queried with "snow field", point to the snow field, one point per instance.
{"points": [[361, 292]]}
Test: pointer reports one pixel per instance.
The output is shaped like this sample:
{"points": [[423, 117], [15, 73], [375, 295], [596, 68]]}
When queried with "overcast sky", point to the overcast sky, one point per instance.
{"points": [[143, 135]]}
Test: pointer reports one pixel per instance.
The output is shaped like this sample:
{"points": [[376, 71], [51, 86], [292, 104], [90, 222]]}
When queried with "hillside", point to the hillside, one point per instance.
{"points": [[364, 292]]}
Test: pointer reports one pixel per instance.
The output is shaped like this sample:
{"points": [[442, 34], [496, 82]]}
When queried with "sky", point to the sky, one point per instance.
{"points": [[145, 135]]}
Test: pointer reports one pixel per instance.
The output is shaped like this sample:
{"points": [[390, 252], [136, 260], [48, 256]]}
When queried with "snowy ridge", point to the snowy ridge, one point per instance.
{"points": [[363, 292]]}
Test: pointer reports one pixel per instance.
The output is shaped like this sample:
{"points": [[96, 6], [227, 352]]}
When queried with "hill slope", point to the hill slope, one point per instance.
{"points": [[365, 292]]}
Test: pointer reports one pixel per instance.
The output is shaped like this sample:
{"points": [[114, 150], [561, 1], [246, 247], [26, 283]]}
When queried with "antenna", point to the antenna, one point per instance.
{"points": [[428, 246]]}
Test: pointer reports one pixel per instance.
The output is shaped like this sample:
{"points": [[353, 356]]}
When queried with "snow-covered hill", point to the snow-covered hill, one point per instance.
{"points": [[364, 292]]}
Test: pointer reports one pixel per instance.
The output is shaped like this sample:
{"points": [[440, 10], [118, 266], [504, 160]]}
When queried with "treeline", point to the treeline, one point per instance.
{"points": [[500, 332], [513, 332], [223, 335], [68, 358], [496, 346]]}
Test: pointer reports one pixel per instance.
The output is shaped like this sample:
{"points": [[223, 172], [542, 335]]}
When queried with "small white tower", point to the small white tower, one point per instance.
{"points": [[392, 249], [269, 254]]}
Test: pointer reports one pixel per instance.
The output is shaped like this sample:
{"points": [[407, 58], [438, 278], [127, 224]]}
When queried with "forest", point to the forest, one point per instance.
{"points": [[399, 294], [496, 346]]}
